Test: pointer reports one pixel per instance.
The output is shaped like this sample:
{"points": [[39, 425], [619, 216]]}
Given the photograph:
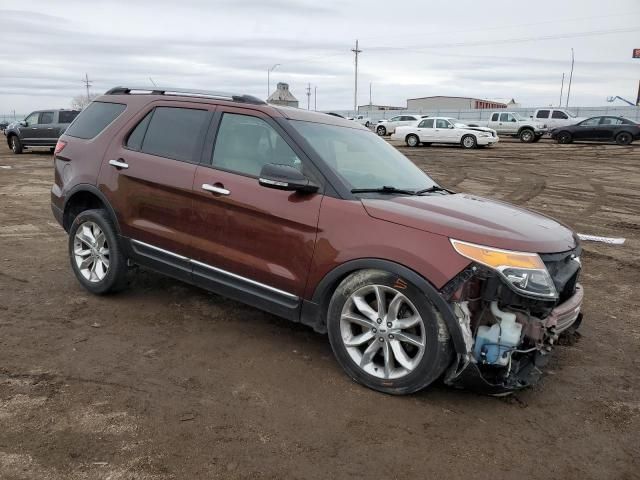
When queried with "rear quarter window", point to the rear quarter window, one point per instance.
{"points": [[94, 119], [67, 116]]}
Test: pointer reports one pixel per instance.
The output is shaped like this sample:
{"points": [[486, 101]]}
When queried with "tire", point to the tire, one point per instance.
{"points": [[381, 131], [412, 140], [16, 144], [564, 138], [84, 236], [624, 138], [422, 343], [526, 135], [367, 124], [469, 141]]}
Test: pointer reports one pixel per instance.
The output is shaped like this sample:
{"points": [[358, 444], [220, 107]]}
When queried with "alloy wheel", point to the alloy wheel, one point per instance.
{"points": [[412, 141], [468, 142], [382, 332], [91, 252]]}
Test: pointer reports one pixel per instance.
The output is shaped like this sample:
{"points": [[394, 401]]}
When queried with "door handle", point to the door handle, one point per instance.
{"points": [[119, 163], [50, 128], [214, 189]]}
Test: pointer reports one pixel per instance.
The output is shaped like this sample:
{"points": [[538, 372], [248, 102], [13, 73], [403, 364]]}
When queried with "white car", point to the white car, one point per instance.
{"points": [[445, 130], [387, 127], [361, 119]]}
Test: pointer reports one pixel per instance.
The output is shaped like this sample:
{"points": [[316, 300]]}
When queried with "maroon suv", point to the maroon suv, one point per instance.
{"points": [[314, 218]]}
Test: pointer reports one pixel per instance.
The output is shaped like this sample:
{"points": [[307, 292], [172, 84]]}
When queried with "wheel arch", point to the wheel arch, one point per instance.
{"points": [[85, 197], [314, 311], [9, 135], [526, 127]]}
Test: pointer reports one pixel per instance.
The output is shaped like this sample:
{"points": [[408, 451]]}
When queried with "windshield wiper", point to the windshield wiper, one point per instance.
{"points": [[384, 189], [434, 188]]}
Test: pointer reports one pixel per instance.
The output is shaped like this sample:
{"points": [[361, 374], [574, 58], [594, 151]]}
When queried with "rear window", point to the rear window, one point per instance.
{"points": [[175, 133], [543, 114], [94, 119], [67, 116]]}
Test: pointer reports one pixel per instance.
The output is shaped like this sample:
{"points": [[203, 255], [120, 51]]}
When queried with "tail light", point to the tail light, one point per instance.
{"points": [[59, 147]]}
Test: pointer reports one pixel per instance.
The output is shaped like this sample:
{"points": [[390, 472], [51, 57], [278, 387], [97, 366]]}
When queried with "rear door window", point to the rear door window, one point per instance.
{"points": [[559, 114], [544, 114], [46, 118], [175, 133], [94, 119], [134, 142], [426, 123]]}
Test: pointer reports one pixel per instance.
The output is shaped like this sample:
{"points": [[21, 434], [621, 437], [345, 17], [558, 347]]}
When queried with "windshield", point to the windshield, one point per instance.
{"points": [[518, 116], [361, 158]]}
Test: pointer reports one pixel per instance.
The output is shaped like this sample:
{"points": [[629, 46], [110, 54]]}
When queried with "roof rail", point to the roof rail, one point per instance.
{"points": [[185, 92]]}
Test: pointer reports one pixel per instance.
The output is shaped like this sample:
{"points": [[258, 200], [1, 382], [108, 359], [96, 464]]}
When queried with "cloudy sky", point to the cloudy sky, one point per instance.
{"points": [[411, 48]]}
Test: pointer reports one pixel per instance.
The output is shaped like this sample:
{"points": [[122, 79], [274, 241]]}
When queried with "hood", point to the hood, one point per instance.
{"points": [[478, 129], [476, 220]]}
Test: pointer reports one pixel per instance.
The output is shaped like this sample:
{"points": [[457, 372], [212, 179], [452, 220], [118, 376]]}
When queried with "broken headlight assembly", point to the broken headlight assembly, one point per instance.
{"points": [[525, 273]]}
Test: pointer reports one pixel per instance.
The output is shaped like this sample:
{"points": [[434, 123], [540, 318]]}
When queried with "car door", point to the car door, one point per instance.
{"points": [[587, 129], [46, 129], [544, 117], [443, 131], [252, 242], [558, 119], [393, 123], [147, 176], [508, 124], [426, 130]]}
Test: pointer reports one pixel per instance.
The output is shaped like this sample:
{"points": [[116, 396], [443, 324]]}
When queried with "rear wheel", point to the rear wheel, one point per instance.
{"points": [[412, 140], [381, 131], [564, 137], [96, 257], [385, 333], [527, 135], [469, 141], [624, 138], [16, 144]]}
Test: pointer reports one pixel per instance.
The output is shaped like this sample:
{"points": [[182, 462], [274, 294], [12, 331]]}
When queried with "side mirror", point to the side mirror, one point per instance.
{"points": [[451, 126], [23, 123], [285, 177]]}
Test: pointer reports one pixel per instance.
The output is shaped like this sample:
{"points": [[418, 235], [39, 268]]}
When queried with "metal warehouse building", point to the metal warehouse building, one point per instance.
{"points": [[441, 102]]}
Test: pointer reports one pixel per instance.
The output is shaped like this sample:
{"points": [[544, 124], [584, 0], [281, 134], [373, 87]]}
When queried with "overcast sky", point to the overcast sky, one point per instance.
{"points": [[486, 49]]}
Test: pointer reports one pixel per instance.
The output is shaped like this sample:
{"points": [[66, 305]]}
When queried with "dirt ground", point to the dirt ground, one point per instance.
{"points": [[166, 381]]}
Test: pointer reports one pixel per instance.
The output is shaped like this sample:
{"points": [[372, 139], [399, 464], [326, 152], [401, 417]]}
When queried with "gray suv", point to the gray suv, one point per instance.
{"points": [[39, 129]]}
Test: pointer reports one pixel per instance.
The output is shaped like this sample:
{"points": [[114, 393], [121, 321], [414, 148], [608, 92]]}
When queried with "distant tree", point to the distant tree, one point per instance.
{"points": [[79, 102]]}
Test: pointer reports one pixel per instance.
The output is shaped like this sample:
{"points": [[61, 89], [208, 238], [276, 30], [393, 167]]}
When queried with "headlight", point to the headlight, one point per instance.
{"points": [[524, 272]]}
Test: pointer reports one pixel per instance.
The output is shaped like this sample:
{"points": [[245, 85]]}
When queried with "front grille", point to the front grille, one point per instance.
{"points": [[564, 269]]}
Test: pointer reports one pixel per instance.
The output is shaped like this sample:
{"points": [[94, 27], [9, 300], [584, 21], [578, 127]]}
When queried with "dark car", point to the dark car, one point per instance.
{"points": [[318, 220], [39, 129], [601, 129]]}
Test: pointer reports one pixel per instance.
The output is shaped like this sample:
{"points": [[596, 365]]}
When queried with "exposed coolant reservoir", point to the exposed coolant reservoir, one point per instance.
{"points": [[495, 343]]}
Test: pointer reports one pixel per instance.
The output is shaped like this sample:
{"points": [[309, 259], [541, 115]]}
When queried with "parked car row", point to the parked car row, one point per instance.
{"points": [[41, 128], [557, 123]]}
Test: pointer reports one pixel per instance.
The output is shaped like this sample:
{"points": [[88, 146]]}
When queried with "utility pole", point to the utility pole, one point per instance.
{"points": [[269, 78], [309, 96], [570, 79], [356, 51], [315, 98], [561, 89], [87, 84]]}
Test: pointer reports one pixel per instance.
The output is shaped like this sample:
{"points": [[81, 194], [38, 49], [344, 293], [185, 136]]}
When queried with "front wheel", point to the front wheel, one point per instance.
{"points": [[527, 136], [96, 257], [624, 138], [564, 137], [469, 141], [381, 131], [412, 140], [385, 333], [16, 145]]}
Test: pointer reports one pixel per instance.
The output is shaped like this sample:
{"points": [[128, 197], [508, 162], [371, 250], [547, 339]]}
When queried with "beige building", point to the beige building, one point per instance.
{"points": [[439, 102], [282, 96]]}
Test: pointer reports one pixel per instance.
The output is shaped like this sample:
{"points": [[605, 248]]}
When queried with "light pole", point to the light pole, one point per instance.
{"points": [[269, 78]]}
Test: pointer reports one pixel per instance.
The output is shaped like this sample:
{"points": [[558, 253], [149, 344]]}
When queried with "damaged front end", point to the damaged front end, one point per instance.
{"points": [[511, 308]]}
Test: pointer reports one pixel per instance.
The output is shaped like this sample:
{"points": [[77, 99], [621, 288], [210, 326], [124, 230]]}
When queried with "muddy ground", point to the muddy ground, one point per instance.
{"points": [[166, 381]]}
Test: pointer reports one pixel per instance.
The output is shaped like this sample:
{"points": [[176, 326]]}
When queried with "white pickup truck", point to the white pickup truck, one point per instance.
{"points": [[512, 124], [361, 119], [556, 117]]}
